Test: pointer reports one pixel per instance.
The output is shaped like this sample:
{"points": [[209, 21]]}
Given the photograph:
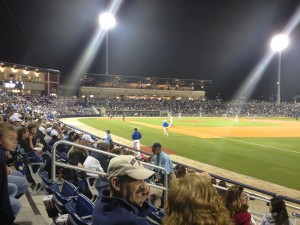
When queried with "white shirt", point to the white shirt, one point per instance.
{"points": [[92, 164]]}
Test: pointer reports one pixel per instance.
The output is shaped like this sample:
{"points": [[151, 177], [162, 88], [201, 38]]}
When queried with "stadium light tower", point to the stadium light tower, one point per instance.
{"points": [[279, 43], [107, 21]]}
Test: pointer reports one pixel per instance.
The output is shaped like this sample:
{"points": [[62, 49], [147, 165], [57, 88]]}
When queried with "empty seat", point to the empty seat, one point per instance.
{"points": [[68, 193], [46, 182], [35, 165], [81, 212]]}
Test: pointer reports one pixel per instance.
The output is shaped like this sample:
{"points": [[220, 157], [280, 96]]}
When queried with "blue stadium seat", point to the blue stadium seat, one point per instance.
{"points": [[67, 194], [35, 165], [155, 215], [81, 213], [46, 182]]}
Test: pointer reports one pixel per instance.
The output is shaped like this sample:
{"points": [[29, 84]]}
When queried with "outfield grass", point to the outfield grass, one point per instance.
{"points": [[271, 159]]}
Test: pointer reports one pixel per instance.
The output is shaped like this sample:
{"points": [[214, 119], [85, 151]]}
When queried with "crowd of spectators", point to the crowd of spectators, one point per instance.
{"points": [[204, 108]]}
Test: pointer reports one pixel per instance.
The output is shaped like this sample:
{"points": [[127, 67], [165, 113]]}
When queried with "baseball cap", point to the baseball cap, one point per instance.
{"points": [[15, 119], [87, 137], [156, 145], [128, 165], [17, 114]]}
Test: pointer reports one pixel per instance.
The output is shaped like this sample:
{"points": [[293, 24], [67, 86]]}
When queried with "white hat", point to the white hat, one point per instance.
{"points": [[128, 165], [87, 137], [15, 119], [54, 133], [16, 114]]}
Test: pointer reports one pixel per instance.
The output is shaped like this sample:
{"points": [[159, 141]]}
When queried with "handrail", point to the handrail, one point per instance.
{"points": [[55, 163]]}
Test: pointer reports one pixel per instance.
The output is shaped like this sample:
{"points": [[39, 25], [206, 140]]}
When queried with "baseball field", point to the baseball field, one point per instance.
{"points": [[266, 149]]}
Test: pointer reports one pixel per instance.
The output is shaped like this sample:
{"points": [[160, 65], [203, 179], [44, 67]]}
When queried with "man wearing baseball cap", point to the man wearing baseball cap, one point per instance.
{"points": [[124, 203], [162, 159]]}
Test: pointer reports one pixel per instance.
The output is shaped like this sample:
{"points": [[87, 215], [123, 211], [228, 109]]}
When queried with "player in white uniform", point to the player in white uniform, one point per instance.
{"points": [[179, 116], [236, 119], [171, 121]]}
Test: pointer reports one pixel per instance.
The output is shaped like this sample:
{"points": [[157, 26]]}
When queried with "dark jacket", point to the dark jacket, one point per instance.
{"points": [[116, 211], [6, 216]]}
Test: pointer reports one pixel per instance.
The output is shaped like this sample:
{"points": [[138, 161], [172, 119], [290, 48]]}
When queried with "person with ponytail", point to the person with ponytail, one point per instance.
{"points": [[278, 214]]}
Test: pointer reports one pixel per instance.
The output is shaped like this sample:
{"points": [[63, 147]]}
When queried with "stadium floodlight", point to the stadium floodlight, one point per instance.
{"points": [[279, 43], [107, 21]]}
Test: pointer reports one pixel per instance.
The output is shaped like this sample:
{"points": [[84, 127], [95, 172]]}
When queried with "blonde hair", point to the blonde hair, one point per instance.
{"points": [[192, 199], [4, 127], [77, 149]]}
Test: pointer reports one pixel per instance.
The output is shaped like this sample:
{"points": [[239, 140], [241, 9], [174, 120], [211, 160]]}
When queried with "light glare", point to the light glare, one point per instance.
{"points": [[107, 20], [279, 42]]}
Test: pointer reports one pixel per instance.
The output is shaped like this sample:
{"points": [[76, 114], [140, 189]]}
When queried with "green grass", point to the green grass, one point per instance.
{"points": [[271, 159]]}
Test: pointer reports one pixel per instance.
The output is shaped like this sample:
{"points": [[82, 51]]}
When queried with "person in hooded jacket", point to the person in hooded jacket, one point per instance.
{"points": [[278, 214]]}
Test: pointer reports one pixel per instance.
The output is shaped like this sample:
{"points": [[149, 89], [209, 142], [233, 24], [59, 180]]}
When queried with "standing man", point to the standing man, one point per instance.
{"points": [[124, 203], [136, 136], [162, 159], [179, 116], [107, 137], [171, 121], [165, 128]]}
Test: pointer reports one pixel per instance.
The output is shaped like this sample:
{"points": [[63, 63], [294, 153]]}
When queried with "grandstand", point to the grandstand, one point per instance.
{"points": [[133, 87]]}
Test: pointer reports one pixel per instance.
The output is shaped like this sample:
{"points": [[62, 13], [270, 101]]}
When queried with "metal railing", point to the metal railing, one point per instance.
{"points": [[65, 165]]}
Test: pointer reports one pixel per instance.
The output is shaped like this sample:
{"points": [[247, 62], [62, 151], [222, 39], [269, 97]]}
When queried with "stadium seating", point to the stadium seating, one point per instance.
{"points": [[68, 193], [35, 165], [81, 212], [46, 182]]}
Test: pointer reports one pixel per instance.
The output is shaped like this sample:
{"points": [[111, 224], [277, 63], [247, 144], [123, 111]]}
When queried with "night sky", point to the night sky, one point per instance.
{"points": [[218, 40]]}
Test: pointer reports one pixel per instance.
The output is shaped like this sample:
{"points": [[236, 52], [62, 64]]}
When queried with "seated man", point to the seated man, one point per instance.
{"points": [[125, 202]]}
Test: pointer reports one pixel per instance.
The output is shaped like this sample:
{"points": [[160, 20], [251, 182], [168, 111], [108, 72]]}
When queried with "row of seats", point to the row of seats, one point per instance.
{"points": [[66, 201]]}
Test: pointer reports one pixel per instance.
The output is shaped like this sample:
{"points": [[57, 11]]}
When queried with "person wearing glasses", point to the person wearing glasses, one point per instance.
{"points": [[125, 202]]}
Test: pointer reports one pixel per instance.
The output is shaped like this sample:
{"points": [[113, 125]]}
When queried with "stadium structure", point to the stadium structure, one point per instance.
{"points": [[28, 80], [135, 87]]}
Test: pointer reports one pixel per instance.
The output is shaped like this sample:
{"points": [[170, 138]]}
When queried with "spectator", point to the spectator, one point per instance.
{"points": [[10, 206], [192, 199], [16, 121], [107, 137], [163, 160], [277, 214], [223, 184], [125, 203], [88, 140], [180, 171], [233, 202]]}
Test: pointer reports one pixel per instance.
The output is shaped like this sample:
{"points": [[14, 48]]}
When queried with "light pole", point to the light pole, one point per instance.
{"points": [[107, 21], [279, 43]]}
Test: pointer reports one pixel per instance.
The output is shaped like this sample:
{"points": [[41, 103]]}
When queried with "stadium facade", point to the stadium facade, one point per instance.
{"points": [[99, 86], [28, 80]]}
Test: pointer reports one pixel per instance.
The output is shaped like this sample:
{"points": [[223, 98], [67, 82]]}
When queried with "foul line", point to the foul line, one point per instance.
{"points": [[244, 142], [209, 135]]}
